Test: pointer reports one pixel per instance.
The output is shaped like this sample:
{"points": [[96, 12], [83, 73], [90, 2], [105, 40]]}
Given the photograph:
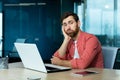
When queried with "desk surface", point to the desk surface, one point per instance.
{"points": [[22, 74]]}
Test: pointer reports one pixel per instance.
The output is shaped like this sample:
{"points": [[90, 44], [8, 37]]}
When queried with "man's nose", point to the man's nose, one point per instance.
{"points": [[68, 27]]}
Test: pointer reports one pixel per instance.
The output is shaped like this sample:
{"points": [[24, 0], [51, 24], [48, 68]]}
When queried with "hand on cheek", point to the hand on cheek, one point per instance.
{"points": [[65, 35]]}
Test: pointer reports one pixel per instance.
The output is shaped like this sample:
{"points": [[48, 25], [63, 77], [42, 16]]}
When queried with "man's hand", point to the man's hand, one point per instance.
{"points": [[57, 61], [65, 35]]}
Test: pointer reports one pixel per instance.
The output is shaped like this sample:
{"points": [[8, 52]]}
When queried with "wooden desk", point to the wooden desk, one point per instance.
{"points": [[22, 74]]}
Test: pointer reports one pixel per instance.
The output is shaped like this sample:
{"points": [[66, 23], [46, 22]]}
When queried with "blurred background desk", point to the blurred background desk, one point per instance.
{"points": [[20, 73]]}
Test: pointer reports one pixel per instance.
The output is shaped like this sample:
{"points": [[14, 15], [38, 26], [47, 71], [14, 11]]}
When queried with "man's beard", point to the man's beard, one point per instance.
{"points": [[72, 33]]}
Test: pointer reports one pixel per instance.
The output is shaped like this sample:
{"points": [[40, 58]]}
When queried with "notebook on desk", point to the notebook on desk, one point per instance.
{"points": [[32, 59]]}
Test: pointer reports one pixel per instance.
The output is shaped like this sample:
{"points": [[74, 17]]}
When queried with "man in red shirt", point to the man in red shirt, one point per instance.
{"points": [[79, 49]]}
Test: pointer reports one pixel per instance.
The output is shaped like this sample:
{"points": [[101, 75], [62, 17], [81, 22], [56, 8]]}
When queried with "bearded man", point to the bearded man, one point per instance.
{"points": [[79, 49]]}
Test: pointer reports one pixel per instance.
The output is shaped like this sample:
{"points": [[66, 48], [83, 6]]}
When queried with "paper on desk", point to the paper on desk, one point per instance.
{"points": [[84, 73]]}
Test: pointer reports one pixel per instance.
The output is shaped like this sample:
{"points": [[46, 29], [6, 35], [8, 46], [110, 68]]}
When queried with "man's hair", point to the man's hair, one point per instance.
{"points": [[67, 14]]}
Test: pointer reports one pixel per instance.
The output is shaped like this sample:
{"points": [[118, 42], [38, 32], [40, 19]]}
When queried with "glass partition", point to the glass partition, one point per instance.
{"points": [[1, 25], [101, 18]]}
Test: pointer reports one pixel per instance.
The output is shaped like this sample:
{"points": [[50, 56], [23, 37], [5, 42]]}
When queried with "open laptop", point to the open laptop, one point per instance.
{"points": [[32, 59]]}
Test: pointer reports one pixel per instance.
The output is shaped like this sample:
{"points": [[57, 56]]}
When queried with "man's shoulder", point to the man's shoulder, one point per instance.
{"points": [[89, 37], [85, 34]]}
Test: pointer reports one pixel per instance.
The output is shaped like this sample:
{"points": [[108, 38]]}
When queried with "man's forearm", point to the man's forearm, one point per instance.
{"points": [[66, 63], [57, 61], [63, 48]]}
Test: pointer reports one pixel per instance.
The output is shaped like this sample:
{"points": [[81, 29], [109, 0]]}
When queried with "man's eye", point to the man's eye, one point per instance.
{"points": [[64, 24], [71, 22]]}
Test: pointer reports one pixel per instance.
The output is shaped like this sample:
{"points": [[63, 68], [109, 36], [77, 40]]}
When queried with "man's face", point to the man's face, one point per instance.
{"points": [[71, 27]]}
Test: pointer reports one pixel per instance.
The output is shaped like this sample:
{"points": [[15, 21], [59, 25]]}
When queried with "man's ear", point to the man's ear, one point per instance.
{"points": [[79, 23]]}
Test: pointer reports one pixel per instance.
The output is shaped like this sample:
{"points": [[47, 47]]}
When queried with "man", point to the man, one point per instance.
{"points": [[79, 49]]}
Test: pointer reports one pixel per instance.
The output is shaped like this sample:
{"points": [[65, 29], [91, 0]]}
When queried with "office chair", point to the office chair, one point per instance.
{"points": [[109, 56], [14, 53]]}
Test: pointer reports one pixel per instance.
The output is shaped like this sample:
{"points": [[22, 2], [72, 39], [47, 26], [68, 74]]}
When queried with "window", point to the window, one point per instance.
{"points": [[101, 19], [1, 23]]}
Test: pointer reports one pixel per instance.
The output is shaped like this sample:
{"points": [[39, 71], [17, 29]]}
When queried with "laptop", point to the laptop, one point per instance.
{"points": [[32, 59]]}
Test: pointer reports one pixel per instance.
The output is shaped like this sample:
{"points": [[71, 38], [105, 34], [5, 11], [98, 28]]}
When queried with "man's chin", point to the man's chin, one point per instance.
{"points": [[71, 35]]}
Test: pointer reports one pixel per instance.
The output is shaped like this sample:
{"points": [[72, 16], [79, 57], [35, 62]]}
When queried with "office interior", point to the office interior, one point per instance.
{"points": [[38, 21]]}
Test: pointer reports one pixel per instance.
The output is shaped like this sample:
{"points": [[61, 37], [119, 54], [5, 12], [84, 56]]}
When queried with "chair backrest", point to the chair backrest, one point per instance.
{"points": [[14, 52], [109, 55], [19, 40]]}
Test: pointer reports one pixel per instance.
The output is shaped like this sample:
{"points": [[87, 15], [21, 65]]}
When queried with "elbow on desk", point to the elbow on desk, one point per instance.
{"points": [[75, 65]]}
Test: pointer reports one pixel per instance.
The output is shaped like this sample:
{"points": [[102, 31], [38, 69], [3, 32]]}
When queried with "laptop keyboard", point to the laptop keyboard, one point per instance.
{"points": [[51, 68]]}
